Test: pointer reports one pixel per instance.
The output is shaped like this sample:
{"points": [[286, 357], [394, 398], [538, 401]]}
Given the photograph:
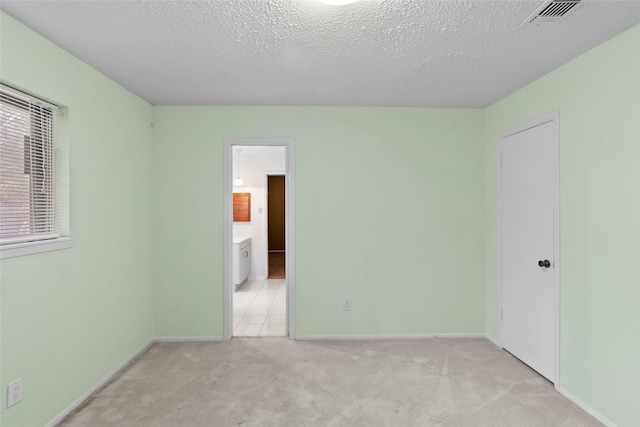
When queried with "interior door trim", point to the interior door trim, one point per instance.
{"points": [[554, 118], [290, 263]]}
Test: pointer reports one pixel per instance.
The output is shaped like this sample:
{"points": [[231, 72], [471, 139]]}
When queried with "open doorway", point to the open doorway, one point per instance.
{"points": [[276, 217], [258, 298]]}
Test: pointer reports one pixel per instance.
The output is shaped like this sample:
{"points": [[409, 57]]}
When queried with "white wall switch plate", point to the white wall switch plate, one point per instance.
{"points": [[346, 304], [14, 392]]}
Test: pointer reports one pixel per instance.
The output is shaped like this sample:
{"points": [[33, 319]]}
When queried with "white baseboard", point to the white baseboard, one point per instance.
{"points": [[492, 340], [79, 401], [187, 339], [386, 337], [589, 410]]}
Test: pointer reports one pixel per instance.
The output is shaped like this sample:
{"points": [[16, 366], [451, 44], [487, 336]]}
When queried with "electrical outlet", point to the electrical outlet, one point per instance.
{"points": [[14, 392], [346, 304]]}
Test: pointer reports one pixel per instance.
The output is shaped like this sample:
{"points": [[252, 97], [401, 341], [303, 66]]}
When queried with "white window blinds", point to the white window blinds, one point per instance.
{"points": [[27, 188]]}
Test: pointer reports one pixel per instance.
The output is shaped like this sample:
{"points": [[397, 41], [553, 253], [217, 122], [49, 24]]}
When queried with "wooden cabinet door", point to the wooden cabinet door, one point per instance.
{"points": [[241, 207]]}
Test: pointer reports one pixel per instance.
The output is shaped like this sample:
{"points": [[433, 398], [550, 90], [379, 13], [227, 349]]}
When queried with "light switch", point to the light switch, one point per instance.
{"points": [[259, 210]]}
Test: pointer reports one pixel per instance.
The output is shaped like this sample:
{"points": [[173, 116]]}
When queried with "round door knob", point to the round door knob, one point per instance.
{"points": [[545, 263]]}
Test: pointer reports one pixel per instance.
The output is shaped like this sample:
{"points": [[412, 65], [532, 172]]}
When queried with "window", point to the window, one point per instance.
{"points": [[28, 206]]}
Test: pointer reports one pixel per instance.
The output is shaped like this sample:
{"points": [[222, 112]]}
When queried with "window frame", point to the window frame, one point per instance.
{"points": [[26, 245], [12, 250]]}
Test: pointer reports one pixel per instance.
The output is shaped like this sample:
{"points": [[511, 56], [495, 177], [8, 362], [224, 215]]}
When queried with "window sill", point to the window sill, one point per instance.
{"points": [[30, 248]]}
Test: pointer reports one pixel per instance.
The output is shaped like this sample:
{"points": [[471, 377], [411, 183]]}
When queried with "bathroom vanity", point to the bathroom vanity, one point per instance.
{"points": [[241, 260]]}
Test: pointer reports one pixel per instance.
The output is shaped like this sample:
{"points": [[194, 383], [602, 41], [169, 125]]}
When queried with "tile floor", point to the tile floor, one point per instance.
{"points": [[259, 309]]}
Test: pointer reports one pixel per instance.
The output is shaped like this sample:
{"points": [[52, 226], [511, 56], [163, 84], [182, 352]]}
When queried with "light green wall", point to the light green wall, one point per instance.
{"points": [[70, 317], [389, 207], [598, 97]]}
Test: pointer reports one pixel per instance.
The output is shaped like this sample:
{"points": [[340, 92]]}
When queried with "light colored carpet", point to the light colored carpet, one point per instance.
{"points": [[281, 382]]}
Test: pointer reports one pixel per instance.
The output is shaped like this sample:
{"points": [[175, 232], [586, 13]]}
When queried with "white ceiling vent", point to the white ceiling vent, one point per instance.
{"points": [[552, 11]]}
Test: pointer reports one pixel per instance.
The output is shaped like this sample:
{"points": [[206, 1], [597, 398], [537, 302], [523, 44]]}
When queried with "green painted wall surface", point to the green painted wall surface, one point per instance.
{"points": [[598, 97], [389, 212], [70, 317]]}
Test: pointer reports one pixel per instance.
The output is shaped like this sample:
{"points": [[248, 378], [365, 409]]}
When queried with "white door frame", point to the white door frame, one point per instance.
{"points": [[290, 240], [553, 118]]}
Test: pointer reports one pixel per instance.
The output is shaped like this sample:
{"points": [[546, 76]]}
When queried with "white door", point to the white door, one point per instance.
{"points": [[527, 181]]}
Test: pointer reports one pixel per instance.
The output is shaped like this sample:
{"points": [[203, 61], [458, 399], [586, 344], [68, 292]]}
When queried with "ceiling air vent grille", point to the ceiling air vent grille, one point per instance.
{"points": [[552, 11]]}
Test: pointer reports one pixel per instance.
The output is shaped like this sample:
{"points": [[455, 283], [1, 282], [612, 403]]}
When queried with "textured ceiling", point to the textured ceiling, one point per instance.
{"points": [[399, 53]]}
